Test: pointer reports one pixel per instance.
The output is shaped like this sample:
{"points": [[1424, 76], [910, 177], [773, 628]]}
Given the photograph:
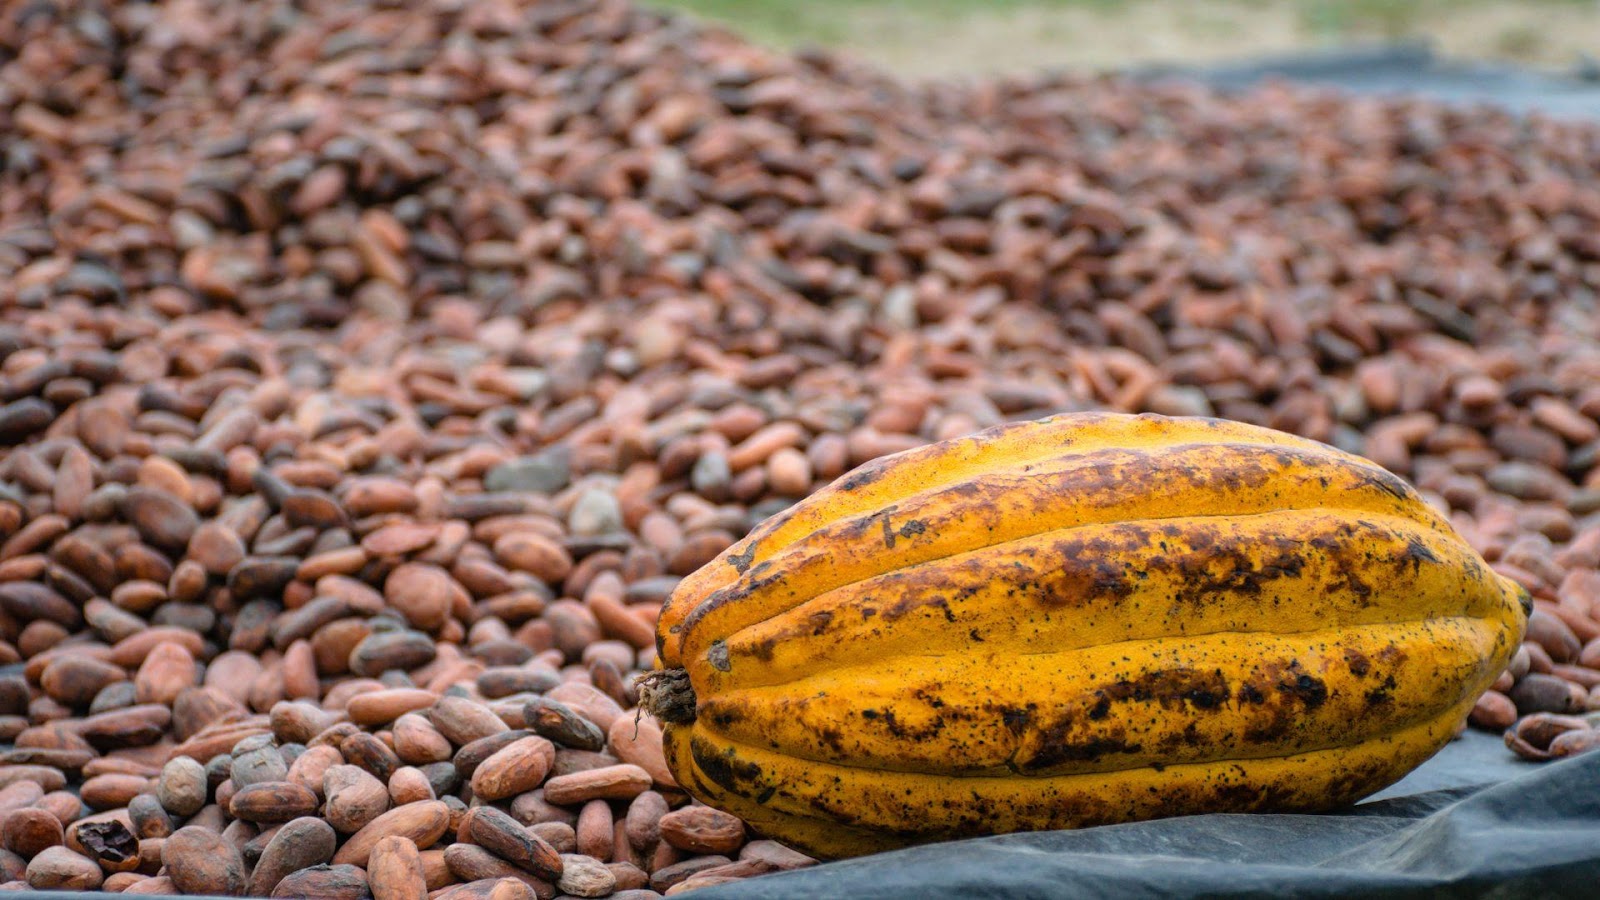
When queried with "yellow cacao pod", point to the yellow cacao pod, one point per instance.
{"points": [[1083, 620]]}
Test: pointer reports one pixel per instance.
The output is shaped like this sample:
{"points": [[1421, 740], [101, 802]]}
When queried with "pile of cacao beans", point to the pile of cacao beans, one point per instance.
{"points": [[371, 370]]}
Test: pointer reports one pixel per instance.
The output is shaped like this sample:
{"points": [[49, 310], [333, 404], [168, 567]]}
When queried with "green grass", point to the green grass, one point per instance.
{"points": [[1373, 18], [792, 23], [1397, 18]]}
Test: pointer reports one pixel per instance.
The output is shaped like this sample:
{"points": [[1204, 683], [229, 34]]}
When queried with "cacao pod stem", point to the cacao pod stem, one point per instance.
{"points": [[667, 695]]}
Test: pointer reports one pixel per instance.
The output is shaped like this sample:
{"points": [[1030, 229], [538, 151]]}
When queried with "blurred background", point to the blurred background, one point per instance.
{"points": [[933, 38]]}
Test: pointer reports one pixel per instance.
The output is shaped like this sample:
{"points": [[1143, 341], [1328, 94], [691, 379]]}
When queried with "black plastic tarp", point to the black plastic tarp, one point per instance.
{"points": [[1471, 822]]}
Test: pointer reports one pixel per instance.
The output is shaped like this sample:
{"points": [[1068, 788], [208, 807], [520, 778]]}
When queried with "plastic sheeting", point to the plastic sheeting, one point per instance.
{"points": [[1471, 822], [1413, 69]]}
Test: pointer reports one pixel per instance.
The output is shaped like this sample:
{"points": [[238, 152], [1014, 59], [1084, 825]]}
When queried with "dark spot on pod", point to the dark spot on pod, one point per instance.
{"points": [[1057, 750], [1016, 720], [1417, 553], [1358, 663], [1381, 694], [741, 561], [1309, 689], [724, 768], [819, 622], [1101, 708], [1171, 688], [764, 649], [833, 738], [1388, 483], [864, 475]]}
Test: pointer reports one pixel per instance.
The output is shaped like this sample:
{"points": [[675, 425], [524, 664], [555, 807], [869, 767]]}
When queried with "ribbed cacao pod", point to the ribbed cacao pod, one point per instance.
{"points": [[1078, 621]]}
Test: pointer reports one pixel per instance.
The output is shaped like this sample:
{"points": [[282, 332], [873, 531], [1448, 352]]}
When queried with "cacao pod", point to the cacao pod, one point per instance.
{"points": [[1088, 619]]}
